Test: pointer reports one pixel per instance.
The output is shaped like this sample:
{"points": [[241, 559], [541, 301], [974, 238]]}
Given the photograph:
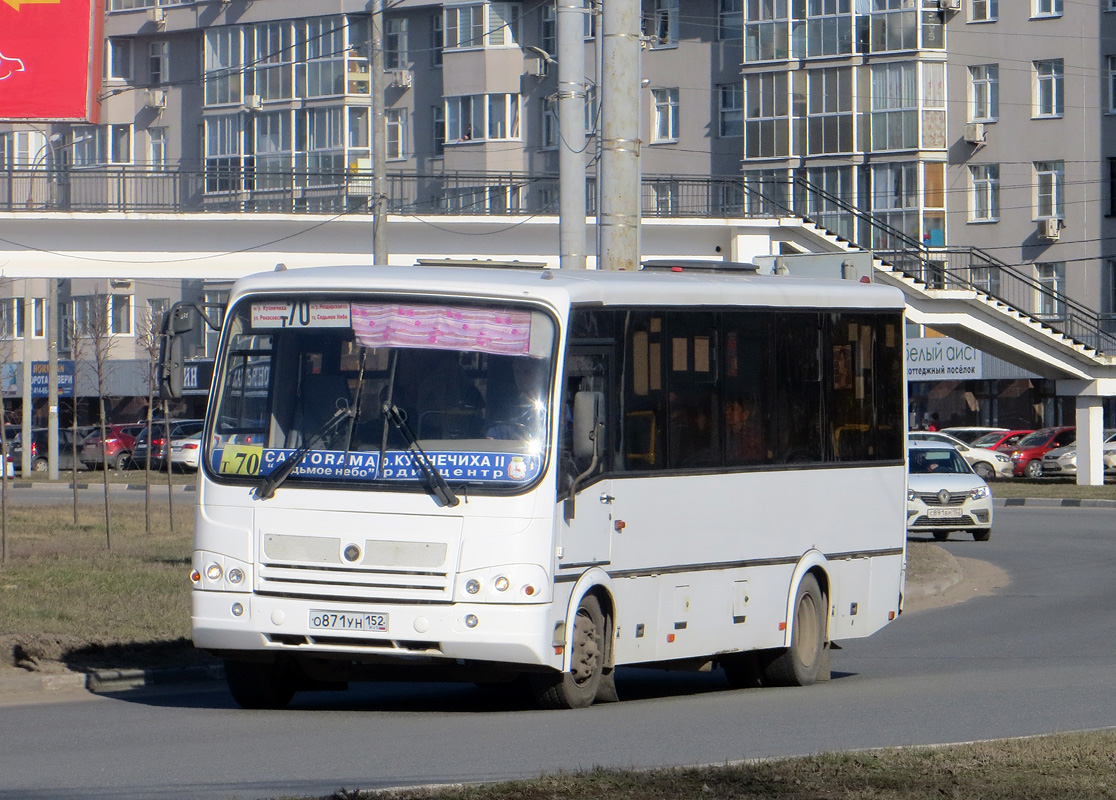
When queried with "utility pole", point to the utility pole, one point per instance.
{"points": [[618, 195], [52, 376], [28, 402], [379, 132], [571, 133]]}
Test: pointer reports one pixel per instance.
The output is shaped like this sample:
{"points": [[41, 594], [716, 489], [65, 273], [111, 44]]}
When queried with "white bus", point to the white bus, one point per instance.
{"points": [[491, 474]]}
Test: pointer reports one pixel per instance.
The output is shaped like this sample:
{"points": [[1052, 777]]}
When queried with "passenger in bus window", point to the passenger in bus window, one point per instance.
{"points": [[743, 434]]}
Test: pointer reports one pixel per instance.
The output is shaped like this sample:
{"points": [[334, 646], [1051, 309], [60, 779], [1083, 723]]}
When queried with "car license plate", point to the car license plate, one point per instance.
{"points": [[347, 621], [943, 513]]}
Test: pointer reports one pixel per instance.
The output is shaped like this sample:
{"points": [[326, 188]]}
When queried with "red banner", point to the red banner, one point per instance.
{"points": [[50, 60]]}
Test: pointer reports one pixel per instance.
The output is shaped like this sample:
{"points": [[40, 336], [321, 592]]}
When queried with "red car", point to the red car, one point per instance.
{"points": [[1026, 457], [117, 450], [1002, 440]]}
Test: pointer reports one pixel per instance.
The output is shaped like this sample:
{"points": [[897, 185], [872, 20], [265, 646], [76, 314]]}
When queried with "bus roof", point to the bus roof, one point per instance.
{"points": [[561, 288]]}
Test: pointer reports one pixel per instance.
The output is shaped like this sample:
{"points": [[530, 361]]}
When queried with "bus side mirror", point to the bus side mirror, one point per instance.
{"points": [[178, 322], [588, 424]]}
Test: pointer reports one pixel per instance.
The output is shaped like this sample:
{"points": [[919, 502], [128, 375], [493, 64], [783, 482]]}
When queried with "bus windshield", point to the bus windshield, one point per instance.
{"points": [[379, 393]]}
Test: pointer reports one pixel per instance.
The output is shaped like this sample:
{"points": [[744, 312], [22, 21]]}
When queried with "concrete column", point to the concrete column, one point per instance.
{"points": [[1090, 440], [571, 126]]}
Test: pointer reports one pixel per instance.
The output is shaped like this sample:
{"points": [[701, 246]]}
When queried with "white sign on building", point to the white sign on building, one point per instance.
{"points": [[942, 359]]}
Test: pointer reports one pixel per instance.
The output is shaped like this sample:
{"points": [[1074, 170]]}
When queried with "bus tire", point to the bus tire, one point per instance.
{"points": [[256, 686], [578, 687], [801, 663]]}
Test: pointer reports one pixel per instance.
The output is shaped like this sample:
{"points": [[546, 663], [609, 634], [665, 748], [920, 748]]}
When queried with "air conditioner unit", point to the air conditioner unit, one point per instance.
{"points": [[155, 98], [157, 15], [1050, 230], [253, 102], [536, 67], [974, 132], [401, 78], [949, 5]]}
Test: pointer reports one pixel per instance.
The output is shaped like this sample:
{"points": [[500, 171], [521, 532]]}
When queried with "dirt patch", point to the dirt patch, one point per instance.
{"points": [[55, 655], [973, 578]]}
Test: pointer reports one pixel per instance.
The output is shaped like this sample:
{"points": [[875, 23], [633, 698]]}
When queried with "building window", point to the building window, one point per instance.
{"points": [[1110, 81], [395, 44], [894, 25], [274, 61], [479, 116], [1048, 8], [829, 104], [984, 10], [216, 297], [158, 62], [222, 153], [1049, 189], [660, 23], [487, 25], [1048, 88], [984, 87], [395, 122], [437, 39], [985, 202], [323, 49], [730, 109], [549, 127], [828, 28], [223, 57], [895, 198], [438, 129], [730, 20], [38, 317], [894, 106], [1051, 279], [766, 115], [766, 31], [157, 307], [11, 318], [120, 314], [664, 115], [118, 60], [157, 142], [548, 27], [101, 145]]}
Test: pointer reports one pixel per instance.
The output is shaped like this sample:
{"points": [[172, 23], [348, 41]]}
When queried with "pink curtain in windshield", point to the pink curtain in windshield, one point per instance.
{"points": [[481, 330]]}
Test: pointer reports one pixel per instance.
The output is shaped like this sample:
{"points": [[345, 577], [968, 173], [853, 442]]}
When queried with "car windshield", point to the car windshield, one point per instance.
{"points": [[322, 380], [988, 440], [1036, 439], [945, 460]]}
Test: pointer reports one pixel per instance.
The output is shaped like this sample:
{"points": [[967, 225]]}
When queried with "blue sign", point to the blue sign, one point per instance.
{"points": [[40, 378], [398, 465]]}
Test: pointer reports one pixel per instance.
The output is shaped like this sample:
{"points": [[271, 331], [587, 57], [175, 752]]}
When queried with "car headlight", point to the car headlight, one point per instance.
{"points": [[980, 493], [1002, 457]]}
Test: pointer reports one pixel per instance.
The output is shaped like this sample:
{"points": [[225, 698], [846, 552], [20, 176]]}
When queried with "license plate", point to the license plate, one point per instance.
{"points": [[347, 621], [943, 513]]}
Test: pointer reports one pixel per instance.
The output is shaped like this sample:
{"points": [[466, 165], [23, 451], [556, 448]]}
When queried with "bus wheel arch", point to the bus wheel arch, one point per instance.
{"points": [[586, 675], [804, 659]]}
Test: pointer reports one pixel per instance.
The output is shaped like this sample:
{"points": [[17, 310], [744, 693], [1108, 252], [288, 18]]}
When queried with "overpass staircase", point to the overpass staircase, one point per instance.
{"points": [[963, 292]]}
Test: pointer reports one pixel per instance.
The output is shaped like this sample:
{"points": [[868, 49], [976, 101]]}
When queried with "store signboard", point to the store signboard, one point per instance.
{"points": [[50, 60], [942, 359]]}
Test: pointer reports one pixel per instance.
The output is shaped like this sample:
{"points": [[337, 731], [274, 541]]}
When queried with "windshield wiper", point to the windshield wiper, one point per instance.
{"points": [[266, 490], [434, 479]]}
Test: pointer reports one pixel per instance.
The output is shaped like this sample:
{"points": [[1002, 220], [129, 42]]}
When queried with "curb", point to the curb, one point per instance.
{"points": [[106, 681], [1053, 502]]}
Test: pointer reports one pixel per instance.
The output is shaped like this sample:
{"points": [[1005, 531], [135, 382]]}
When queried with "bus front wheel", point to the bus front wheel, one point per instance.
{"points": [[577, 688], [801, 663], [255, 685]]}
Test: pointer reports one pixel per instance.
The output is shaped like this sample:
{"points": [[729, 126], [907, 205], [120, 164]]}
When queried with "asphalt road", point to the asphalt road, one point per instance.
{"points": [[1037, 657]]}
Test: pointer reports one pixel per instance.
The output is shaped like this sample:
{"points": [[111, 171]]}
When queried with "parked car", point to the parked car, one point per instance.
{"points": [[988, 464], [969, 435], [1026, 457], [944, 494], [186, 452], [179, 429], [1063, 460], [40, 449], [1002, 439], [117, 450]]}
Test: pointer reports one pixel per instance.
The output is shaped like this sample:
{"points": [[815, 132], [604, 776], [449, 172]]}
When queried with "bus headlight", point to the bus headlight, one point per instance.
{"points": [[495, 584], [214, 572]]}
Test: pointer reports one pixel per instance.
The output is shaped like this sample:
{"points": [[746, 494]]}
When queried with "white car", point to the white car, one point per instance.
{"points": [[184, 452], [944, 494], [988, 464], [1063, 460]]}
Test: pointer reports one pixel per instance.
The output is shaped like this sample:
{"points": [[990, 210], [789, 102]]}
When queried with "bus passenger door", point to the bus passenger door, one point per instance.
{"points": [[585, 496]]}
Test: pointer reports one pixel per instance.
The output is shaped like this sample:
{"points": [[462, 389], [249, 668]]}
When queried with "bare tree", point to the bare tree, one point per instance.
{"points": [[7, 348], [94, 321], [149, 342]]}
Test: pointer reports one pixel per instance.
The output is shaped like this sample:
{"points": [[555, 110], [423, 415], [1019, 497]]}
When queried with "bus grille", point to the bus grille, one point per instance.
{"points": [[320, 567]]}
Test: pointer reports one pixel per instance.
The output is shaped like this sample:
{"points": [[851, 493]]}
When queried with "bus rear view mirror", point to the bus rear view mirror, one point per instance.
{"points": [[588, 423]]}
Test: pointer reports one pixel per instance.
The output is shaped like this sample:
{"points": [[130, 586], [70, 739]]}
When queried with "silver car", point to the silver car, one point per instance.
{"points": [[1063, 460]]}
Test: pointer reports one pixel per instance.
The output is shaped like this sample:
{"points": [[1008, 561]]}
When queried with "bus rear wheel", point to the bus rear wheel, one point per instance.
{"points": [[801, 663], [578, 687], [254, 685]]}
